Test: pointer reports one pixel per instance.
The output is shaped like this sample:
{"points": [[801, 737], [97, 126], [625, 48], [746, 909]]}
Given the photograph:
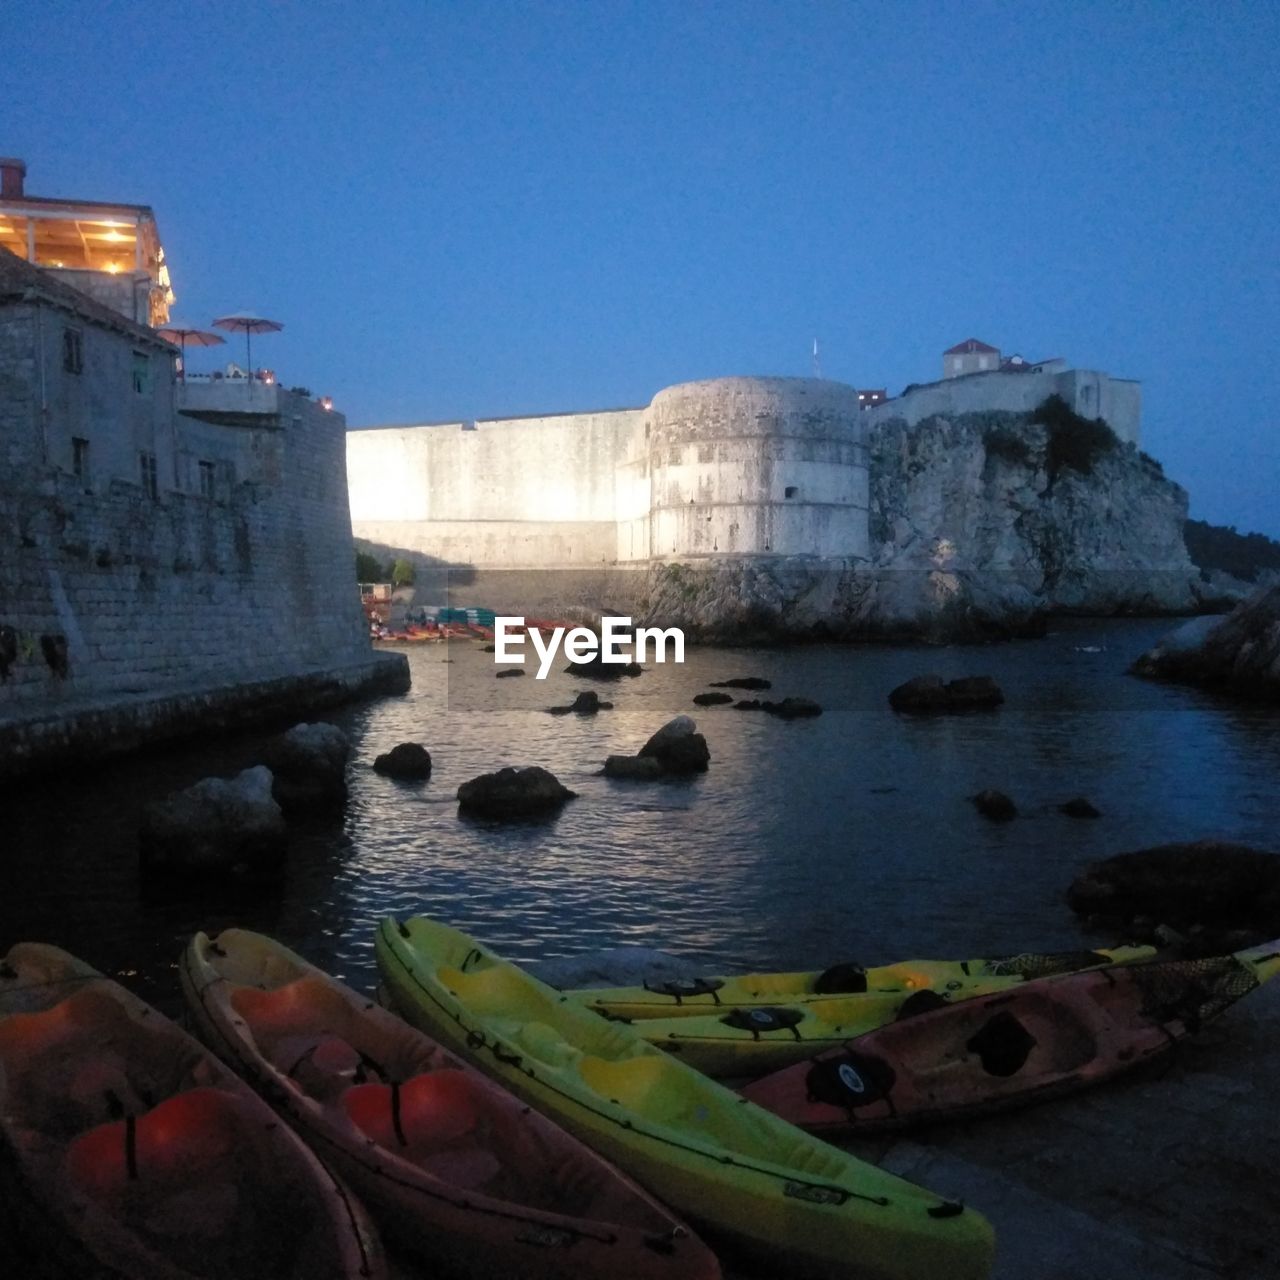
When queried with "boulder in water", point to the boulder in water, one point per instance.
{"points": [[217, 827], [995, 805], [408, 760], [1079, 807], [309, 765], [513, 793], [932, 695], [712, 699], [742, 682], [1211, 883], [586, 703]]}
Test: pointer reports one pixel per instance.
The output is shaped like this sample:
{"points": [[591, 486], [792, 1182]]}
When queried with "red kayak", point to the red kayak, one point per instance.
{"points": [[454, 1168], [1048, 1037], [127, 1150]]}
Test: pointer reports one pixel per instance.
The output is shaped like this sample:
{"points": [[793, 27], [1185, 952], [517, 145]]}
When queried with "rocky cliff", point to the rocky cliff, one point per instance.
{"points": [[981, 525]]}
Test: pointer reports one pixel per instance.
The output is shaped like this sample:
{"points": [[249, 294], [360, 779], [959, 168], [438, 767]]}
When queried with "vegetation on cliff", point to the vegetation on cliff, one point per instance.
{"points": [[1242, 555]]}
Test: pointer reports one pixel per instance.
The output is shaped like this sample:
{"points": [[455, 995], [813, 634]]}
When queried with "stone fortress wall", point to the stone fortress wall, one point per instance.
{"points": [[716, 469], [158, 567]]}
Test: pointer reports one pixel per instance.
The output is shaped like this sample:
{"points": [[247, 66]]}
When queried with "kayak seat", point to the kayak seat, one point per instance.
{"points": [[420, 1115], [543, 1042], [175, 1143]]}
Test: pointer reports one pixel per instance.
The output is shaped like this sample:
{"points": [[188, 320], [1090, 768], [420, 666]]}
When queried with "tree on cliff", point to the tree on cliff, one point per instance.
{"points": [[402, 573]]}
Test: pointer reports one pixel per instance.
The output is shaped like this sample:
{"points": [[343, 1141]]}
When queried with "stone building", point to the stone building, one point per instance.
{"points": [[723, 468], [171, 558]]}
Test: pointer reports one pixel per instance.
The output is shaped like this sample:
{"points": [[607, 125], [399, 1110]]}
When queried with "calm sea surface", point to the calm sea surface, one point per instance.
{"points": [[848, 837]]}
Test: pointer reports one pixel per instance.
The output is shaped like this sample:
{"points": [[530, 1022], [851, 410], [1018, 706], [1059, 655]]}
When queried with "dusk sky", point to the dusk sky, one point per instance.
{"points": [[467, 210]]}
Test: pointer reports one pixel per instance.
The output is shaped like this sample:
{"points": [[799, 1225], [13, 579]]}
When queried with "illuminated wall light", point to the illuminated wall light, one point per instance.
{"points": [[326, 402]]}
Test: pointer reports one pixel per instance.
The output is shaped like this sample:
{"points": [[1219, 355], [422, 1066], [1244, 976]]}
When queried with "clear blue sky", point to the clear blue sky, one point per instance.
{"points": [[475, 209]]}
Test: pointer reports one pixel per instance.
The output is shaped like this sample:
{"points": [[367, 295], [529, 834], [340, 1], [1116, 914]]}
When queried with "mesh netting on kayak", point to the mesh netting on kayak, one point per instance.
{"points": [[1034, 964], [1191, 991]]}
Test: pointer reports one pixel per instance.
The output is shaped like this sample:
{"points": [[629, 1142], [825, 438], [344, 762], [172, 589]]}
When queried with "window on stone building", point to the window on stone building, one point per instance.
{"points": [[790, 491], [150, 485], [141, 372], [80, 459], [72, 351], [208, 479]]}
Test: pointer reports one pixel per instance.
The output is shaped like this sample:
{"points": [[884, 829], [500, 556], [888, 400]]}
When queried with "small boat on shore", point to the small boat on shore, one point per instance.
{"points": [[694, 997], [127, 1150], [454, 1168], [1049, 1037], [785, 1199], [750, 1040]]}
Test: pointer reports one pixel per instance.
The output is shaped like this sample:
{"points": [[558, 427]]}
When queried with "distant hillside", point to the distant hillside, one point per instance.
{"points": [[1243, 555]]}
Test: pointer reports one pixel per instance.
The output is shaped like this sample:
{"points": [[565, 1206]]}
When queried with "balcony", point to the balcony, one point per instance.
{"points": [[232, 401]]}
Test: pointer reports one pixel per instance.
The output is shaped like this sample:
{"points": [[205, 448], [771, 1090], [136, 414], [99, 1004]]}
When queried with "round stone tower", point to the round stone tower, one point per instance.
{"points": [[759, 467]]}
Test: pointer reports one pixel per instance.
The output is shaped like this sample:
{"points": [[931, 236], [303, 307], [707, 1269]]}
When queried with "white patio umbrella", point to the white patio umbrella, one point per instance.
{"points": [[244, 322], [182, 334]]}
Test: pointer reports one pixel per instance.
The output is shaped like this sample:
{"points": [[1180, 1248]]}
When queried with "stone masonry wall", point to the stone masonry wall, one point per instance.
{"points": [[180, 591]]}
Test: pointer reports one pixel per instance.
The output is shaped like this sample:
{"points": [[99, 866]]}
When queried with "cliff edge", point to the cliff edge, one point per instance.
{"points": [[980, 526]]}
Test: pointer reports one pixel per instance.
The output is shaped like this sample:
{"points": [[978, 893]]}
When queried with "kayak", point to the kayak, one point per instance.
{"points": [[789, 1200], [693, 997], [1047, 1038], [128, 1150], [454, 1168], [750, 1040]]}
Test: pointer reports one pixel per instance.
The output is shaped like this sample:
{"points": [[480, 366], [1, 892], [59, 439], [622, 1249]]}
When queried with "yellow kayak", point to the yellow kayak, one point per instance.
{"points": [[693, 997], [807, 1208], [754, 1039]]}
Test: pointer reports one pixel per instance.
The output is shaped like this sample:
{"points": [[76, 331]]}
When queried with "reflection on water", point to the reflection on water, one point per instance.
{"points": [[844, 837]]}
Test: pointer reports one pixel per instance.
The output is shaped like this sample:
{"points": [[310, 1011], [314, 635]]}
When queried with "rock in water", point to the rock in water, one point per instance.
{"points": [[995, 805], [597, 669], [678, 747], [1239, 654], [513, 793], [585, 704], [1207, 882], [309, 764], [408, 760], [670, 732], [712, 699], [507, 675], [216, 827], [930, 694], [641, 767], [1079, 807], [742, 682], [792, 708]]}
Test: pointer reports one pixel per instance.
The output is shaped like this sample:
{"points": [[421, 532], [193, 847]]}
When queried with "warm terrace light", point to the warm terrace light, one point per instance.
{"points": [[326, 402], [114, 268]]}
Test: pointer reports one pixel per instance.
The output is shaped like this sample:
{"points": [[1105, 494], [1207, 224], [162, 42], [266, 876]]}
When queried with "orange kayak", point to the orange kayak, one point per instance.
{"points": [[455, 1168], [1047, 1037], [130, 1151]]}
